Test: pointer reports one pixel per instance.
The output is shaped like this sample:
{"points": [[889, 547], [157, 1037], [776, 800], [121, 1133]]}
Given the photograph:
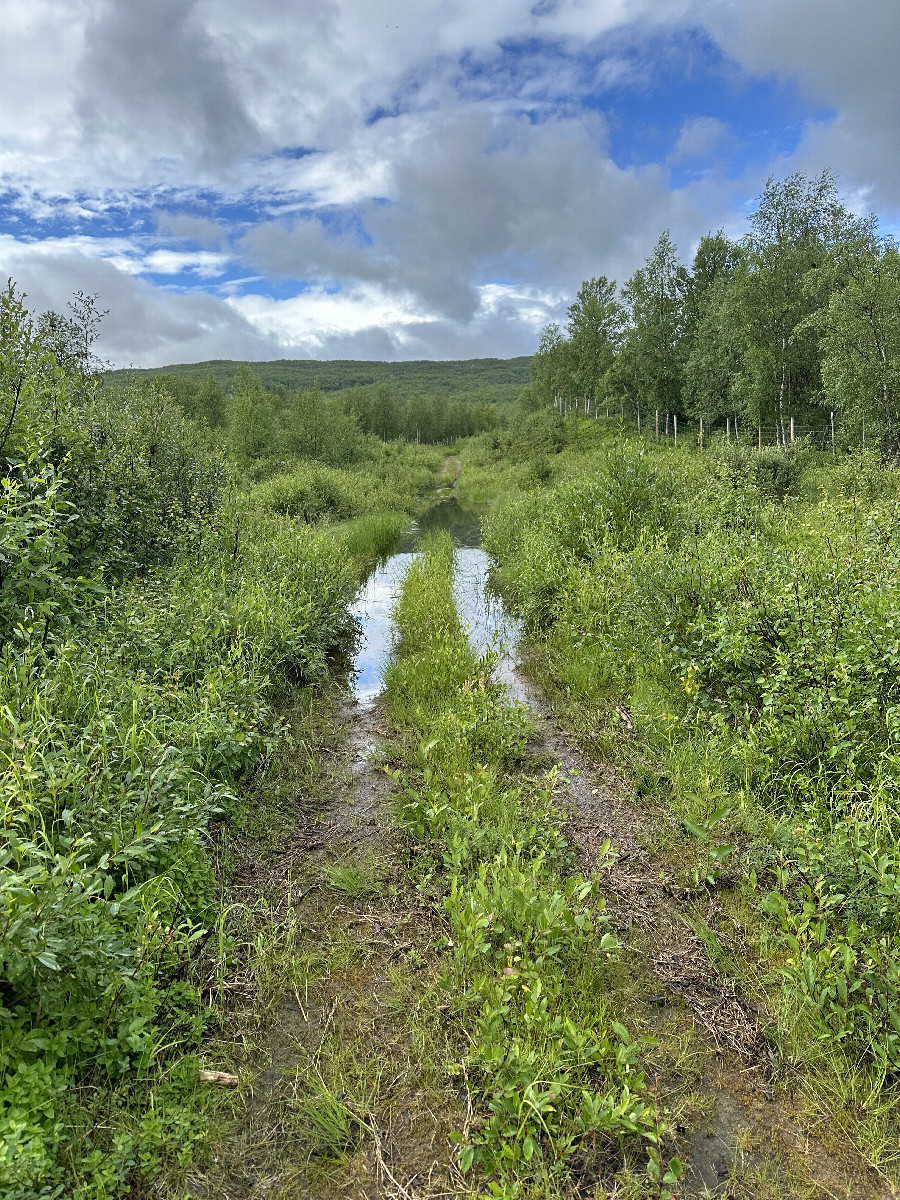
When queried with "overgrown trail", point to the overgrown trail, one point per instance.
{"points": [[738, 1135], [354, 1033], [450, 470], [339, 1095]]}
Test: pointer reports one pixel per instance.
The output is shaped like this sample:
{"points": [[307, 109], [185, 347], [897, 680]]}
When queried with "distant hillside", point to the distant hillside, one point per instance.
{"points": [[481, 378]]}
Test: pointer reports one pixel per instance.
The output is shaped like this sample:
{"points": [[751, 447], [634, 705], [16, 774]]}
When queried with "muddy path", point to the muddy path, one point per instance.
{"points": [[344, 1087], [738, 1130], [337, 1098]]}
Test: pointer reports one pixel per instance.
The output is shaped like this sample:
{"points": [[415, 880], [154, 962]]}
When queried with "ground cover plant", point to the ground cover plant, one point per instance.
{"points": [[157, 612], [556, 1079], [741, 613]]}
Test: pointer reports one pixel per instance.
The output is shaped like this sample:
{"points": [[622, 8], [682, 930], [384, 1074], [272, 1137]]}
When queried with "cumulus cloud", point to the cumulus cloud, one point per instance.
{"points": [[402, 177], [145, 325], [844, 57], [367, 321], [476, 197]]}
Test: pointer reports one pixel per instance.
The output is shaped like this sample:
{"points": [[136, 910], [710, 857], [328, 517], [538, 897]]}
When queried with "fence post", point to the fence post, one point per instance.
{"points": [[832, 434], [639, 417], [675, 421], [728, 429], [701, 434], [735, 429], [657, 424], [792, 429]]}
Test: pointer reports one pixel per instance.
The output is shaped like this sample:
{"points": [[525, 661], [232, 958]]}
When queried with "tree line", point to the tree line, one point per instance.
{"points": [[253, 421], [796, 320]]}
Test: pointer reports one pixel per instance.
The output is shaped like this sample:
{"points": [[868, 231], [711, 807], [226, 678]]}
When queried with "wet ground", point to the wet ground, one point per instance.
{"points": [[743, 1132], [490, 628]]}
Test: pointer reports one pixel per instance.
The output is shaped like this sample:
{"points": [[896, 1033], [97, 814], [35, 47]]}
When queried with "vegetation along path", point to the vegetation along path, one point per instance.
{"points": [[474, 969]]}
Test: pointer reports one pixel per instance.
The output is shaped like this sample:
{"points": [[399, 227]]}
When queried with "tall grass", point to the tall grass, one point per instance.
{"points": [[743, 612], [553, 1075]]}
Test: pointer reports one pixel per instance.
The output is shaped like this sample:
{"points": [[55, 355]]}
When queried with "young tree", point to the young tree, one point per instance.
{"points": [[713, 348], [595, 327], [796, 225], [860, 339], [251, 421], [209, 402], [385, 414], [653, 351], [551, 367]]}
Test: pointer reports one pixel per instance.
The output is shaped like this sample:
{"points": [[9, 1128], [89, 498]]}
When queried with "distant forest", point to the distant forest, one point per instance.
{"points": [[321, 410], [478, 379]]}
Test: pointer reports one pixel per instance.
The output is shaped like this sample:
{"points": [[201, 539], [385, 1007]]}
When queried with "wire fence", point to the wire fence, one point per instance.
{"points": [[667, 426]]}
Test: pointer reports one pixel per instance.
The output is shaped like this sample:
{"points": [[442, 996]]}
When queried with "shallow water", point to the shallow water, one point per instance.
{"points": [[488, 626]]}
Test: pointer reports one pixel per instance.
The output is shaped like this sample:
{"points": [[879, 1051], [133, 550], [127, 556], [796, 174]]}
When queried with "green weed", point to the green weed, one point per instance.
{"points": [[552, 1071], [355, 880], [745, 621]]}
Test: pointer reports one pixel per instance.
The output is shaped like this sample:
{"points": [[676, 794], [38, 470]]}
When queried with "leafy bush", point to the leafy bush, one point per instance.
{"points": [[118, 742], [758, 632], [774, 471]]}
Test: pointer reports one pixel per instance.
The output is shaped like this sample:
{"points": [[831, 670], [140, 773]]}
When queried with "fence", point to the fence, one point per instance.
{"points": [[661, 425]]}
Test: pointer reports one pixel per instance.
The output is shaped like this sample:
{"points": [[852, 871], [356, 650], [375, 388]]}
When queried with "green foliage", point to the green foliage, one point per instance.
{"points": [[654, 343], [330, 415], [790, 324], [860, 340], [34, 559], [312, 492], [744, 609], [118, 743], [626, 500], [147, 628], [775, 472], [554, 1075], [463, 377], [139, 482]]}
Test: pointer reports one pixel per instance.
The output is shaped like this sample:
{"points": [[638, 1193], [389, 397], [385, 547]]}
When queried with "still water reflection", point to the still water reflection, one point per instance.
{"points": [[488, 626]]}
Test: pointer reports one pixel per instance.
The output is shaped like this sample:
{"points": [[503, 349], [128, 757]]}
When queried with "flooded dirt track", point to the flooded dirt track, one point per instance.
{"points": [[339, 1105]]}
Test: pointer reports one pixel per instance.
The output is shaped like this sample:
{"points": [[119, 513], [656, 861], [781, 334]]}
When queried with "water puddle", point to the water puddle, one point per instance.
{"points": [[488, 626]]}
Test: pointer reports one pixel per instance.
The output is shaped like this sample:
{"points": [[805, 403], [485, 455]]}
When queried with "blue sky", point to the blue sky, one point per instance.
{"points": [[409, 178]]}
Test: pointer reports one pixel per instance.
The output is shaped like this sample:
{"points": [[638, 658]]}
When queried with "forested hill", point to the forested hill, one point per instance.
{"points": [[475, 378]]}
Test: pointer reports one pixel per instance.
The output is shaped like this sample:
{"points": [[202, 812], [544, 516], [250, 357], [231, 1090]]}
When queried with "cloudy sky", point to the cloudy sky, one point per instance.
{"points": [[409, 178]]}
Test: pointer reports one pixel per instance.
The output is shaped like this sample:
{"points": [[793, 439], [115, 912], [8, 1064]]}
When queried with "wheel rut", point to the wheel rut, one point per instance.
{"points": [[739, 1132], [334, 1100]]}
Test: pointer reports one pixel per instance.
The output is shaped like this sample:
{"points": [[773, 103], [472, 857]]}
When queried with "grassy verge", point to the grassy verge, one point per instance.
{"points": [[130, 741], [553, 1080], [720, 625], [330, 1015]]}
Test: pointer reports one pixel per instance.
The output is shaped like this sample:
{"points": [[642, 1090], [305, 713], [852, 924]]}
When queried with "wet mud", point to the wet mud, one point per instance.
{"points": [[738, 1137]]}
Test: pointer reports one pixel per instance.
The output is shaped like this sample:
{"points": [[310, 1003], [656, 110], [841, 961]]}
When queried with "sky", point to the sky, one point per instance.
{"points": [[402, 179]]}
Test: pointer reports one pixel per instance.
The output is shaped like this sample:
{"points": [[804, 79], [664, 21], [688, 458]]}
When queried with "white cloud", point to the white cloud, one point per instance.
{"points": [[699, 138], [844, 57], [203, 263], [490, 170], [316, 316]]}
